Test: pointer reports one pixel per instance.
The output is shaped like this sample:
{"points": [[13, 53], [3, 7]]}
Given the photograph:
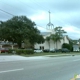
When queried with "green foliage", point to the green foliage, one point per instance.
{"points": [[19, 28], [68, 46], [48, 39], [10, 51], [40, 39], [27, 44], [58, 34], [59, 31], [55, 37], [29, 52], [19, 51], [24, 51]]}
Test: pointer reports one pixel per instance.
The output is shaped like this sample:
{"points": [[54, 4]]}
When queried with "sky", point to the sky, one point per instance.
{"points": [[65, 13]]}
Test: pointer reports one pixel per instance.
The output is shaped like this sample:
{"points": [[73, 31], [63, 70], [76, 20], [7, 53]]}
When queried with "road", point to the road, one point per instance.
{"points": [[49, 68]]}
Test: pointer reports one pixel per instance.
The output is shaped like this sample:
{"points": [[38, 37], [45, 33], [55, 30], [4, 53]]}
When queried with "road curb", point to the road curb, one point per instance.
{"points": [[59, 55]]}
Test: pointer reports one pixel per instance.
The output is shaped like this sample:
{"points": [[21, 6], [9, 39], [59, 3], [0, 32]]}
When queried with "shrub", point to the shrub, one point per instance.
{"points": [[68, 46], [19, 51], [10, 50], [29, 51], [24, 51]]}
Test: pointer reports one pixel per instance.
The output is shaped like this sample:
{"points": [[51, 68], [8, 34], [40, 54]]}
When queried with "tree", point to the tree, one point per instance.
{"points": [[27, 44], [71, 44], [48, 39], [59, 31], [19, 28], [58, 35], [66, 45], [55, 38]]}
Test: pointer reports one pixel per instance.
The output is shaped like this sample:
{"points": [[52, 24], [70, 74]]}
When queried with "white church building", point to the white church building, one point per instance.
{"points": [[51, 44]]}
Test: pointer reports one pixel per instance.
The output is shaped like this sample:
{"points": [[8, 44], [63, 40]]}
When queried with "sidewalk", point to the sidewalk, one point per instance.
{"points": [[58, 55], [4, 58], [17, 58]]}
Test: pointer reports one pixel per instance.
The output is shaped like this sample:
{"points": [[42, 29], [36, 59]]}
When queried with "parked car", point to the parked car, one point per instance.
{"points": [[57, 50], [52, 50], [3, 50], [38, 50], [65, 50], [49, 50], [46, 50]]}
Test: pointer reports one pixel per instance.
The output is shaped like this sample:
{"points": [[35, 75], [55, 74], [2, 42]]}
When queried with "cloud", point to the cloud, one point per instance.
{"points": [[63, 12], [73, 31], [39, 16]]}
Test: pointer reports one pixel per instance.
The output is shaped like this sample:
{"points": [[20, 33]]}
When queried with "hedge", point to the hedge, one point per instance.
{"points": [[21, 51]]}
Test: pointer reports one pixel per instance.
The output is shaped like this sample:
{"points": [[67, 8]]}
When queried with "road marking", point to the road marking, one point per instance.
{"points": [[11, 70], [77, 60]]}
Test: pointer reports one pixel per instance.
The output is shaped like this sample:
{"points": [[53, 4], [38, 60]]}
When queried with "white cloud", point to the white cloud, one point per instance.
{"points": [[41, 15], [62, 12], [72, 31]]}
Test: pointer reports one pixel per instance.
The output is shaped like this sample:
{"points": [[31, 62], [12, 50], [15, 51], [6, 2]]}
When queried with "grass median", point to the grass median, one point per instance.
{"points": [[49, 54], [52, 54]]}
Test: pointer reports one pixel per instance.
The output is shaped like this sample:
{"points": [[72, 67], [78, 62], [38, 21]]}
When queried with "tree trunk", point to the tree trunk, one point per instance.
{"points": [[19, 45], [56, 44], [49, 45]]}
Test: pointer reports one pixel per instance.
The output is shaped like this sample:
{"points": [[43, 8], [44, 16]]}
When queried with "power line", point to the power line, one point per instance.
{"points": [[26, 5], [6, 12], [39, 5], [36, 3], [31, 7]]}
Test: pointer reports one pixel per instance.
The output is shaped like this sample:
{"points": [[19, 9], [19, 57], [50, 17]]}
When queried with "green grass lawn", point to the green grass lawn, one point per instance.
{"points": [[52, 54], [38, 54], [45, 54]]}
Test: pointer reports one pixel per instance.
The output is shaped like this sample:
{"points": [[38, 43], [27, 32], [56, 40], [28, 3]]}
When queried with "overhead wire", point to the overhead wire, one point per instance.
{"points": [[6, 12], [24, 5], [35, 3], [32, 9]]}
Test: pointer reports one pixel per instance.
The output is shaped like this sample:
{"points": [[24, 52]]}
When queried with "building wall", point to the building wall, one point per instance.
{"points": [[53, 45]]}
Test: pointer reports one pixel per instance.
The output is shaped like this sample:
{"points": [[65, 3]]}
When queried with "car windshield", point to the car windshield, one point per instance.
{"points": [[39, 39]]}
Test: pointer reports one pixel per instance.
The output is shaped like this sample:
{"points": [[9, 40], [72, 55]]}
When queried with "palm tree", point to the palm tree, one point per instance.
{"points": [[48, 39], [58, 35], [55, 38]]}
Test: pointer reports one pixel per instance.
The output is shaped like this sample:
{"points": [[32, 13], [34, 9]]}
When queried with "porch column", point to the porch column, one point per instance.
{"points": [[0, 46], [12, 46]]}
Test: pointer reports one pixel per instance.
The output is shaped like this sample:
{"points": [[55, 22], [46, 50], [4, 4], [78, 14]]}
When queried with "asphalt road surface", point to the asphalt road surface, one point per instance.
{"points": [[49, 68]]}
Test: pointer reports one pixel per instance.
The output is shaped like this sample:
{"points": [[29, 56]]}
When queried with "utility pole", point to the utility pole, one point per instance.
{"points": [[50, 26]]}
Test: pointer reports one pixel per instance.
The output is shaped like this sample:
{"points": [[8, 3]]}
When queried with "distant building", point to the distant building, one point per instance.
{"points": [[76, 45], [53, 45], [7, 44], [45, 45]]}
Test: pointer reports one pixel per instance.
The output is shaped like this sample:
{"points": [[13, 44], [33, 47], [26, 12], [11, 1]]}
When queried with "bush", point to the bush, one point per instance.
{"points": [[68, 46], [29, 51], [10, 50], [24, 51], [21, 51]]}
